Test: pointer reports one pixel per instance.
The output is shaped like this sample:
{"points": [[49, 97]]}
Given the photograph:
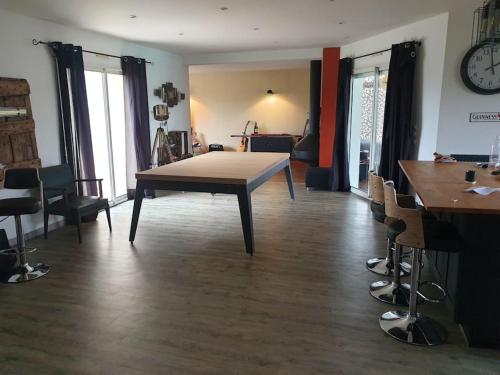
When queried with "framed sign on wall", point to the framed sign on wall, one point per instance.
{"points": [[484, 117]]}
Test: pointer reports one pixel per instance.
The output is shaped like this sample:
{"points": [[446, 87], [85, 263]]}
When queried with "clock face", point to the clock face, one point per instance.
{"points": [[481, 69]]}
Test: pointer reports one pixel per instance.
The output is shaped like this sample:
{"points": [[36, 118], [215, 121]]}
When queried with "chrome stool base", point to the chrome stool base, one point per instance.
{"points": [[380, 266], [390, 292], [28, 273], [416, 330]]}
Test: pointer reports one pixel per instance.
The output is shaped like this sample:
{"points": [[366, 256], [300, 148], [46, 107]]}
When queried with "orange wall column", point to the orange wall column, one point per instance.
{"points": [[331, 60]]}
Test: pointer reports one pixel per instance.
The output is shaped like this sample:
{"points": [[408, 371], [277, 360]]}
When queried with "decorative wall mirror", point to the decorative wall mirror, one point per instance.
{"points": [[169, 94]]}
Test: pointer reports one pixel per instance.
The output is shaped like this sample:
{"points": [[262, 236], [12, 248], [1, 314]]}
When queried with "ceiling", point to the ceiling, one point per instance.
{"points": [[250, 66], [200, 26]]}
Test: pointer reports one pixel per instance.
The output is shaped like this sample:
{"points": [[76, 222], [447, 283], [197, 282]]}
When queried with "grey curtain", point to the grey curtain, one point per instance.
{"points": [[339, 178], [137, 109], [398, 130], [75, 135]]}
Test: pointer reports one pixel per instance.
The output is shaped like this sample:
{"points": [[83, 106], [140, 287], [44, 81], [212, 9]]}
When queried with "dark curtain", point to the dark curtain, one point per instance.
{"points": [[398, 131], [339, 180], [136, 93], [76, 139], [136, 97]]}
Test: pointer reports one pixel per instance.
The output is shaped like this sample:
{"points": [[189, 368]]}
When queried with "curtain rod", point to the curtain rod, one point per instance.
{"points": [[418, 43], [37, 42]]}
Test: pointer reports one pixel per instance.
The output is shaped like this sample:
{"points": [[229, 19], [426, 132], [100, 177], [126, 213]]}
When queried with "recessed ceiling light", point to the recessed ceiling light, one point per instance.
{"points": [[132, 16], [224, 8], [256, 28]]}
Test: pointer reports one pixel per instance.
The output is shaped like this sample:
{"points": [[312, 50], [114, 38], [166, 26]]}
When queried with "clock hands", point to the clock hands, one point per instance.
{"points": [[492, 62], [492, 67]]}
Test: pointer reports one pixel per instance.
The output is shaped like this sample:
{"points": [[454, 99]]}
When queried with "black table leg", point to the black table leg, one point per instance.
{"points": [[245, 202], [289, 180], [139, 195]]}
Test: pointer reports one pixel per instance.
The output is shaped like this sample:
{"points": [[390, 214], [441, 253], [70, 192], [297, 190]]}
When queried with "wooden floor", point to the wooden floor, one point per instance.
{"points": [[186, 299]]}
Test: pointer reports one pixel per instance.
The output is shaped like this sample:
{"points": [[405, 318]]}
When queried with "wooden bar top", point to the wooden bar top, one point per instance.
{"points": [[441, 187], [217, 167]]}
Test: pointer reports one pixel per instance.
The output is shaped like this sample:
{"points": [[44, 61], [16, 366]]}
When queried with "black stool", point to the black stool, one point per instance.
{"points": [[413, 231], [25, 178]]}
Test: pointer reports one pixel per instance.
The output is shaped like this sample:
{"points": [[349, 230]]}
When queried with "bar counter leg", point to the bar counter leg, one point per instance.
{"points": [[139, 195], [289, 180], [245, 203]]}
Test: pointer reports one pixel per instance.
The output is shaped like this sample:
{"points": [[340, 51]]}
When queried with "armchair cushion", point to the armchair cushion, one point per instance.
{"points": [[78, 203]]}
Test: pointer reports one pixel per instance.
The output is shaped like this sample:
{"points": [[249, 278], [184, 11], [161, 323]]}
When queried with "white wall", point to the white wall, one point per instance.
{"points": [[429, 75], [20, 59], [456, 134], [222, 103]]}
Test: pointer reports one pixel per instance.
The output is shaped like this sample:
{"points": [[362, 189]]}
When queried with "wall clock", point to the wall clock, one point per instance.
{"points": [[480, 68]]}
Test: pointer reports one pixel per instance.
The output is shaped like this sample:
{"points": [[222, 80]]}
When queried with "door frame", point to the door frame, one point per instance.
{"points": [[114, 200], [375, 72]]}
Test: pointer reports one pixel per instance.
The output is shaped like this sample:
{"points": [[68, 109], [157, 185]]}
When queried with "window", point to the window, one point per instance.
{"points": [[366, 125], [107, 122]]}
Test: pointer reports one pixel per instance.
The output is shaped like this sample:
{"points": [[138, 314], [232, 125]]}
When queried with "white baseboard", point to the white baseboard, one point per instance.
{"points": [[39, 231]]}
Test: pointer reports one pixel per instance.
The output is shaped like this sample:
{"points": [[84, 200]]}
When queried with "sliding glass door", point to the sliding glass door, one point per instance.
{"points": [[107, 121], [366, 125]]}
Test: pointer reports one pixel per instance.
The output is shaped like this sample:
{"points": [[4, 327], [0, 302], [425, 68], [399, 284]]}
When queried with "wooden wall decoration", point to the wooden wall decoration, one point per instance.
{"points": [[17, 129], [169, 94]]}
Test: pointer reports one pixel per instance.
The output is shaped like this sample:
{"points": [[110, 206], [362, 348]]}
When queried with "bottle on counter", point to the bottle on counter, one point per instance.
{"points": [[495, 153]]}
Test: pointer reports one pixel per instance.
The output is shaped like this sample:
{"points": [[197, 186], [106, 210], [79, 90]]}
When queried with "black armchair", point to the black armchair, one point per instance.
{"points": [[61, 197]]}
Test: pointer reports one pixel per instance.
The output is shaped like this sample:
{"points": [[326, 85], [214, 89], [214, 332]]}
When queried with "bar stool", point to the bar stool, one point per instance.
{"points": [[384, 265], [394, 292], [412, 231], [22, 178]]}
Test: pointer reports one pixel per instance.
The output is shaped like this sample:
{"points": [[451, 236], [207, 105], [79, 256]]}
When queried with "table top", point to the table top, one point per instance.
{"points": [[217, 167], [441, 186]]}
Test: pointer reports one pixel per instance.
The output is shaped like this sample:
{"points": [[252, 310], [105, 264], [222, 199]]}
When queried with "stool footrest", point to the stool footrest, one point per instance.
{"points": [[390, 292], [438, 287], [15, 250]]}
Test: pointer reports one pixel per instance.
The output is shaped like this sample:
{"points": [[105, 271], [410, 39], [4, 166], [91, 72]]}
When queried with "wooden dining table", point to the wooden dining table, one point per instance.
{"points": [[441, 186], [237, 173], [471, 276]]}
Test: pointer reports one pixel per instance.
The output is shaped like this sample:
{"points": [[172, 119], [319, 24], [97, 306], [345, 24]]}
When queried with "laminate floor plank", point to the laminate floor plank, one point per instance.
{"points": [[186, 299]]}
